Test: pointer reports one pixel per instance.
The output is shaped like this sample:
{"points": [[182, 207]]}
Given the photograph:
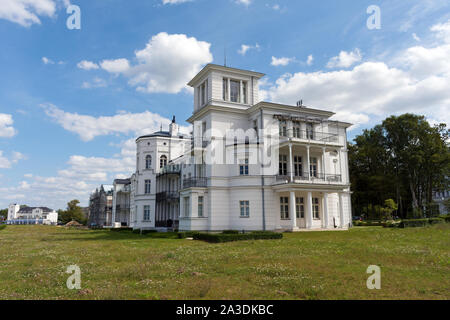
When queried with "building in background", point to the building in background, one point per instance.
{"points": [[31, 215], [439, 198], [121, 203], [100, 207]]}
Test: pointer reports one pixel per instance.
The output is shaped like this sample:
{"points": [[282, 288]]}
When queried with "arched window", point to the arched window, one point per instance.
{"points": [[162, 161], [148, 162]]}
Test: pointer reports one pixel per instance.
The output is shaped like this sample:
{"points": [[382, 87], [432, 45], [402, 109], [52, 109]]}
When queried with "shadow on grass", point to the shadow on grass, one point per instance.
{"points": [[109, 235]]}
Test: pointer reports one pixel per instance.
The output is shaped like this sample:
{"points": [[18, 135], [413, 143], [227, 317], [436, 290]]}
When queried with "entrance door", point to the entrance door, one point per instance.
{"points": [[300, 211]]}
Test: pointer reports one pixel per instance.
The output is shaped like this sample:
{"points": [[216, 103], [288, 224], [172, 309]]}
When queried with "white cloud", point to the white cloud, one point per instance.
{"points": [[416, 37], [310, 60], [174, 1], [417, 81], [276, 7], [89, 127], [166, 64], [246, 47], [26, 12], [281, 61], [6, 163], [115, 66], [244, 2], [87, 65], [6, 126], [345, 59], [46, 60], [95, 83], [442, 31]]}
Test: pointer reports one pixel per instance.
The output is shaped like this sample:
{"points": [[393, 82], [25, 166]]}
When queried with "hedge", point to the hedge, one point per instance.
{"points": [[186, 234], [120, 229], [414, 223], [3, 226], [367, 223], [227, 237]]}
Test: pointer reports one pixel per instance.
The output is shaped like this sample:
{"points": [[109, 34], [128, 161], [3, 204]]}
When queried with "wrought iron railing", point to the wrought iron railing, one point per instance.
{"points": [[314, 177], [312, 135], [195, 183], [167, 195]]}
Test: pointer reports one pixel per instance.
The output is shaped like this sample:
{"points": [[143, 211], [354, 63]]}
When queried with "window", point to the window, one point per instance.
{"points": [[298, 167], [245, 209], [148, 162], [243, 168], [300, 208], [297, 130], [148, 186], [235, 91], [186, 206], [162, 161], [309, 131], [244, 91], [315, 207], [146, 213], [283, 165], [313, 167], [200, 206], [283, 128], [284, 208], [225, 89], [203, 93]]}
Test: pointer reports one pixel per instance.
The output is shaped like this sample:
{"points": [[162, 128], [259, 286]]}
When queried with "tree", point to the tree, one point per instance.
{"points": [[389, 208], [405, 159], [73, 212], [3, 214]]}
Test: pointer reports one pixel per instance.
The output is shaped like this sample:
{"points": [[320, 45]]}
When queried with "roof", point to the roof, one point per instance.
{"points": [[30, 209], [163, 134], [211, 66]]}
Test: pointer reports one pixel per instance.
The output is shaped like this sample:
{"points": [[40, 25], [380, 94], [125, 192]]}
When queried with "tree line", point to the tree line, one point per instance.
{"points": [[404, 159]]}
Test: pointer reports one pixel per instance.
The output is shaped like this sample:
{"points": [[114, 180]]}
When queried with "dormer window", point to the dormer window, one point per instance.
{"points": [[235, 88]]}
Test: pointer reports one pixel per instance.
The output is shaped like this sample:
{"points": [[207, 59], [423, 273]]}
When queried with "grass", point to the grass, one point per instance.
{"points": [[310, 265]]}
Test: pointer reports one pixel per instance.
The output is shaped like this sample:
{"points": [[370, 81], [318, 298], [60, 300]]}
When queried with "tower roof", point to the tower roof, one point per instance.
{"points": [[210, 67]]}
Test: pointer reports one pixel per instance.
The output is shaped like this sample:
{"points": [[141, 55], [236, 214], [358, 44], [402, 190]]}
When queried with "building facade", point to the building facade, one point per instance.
{"points": [[121, 203], [100, 207], [248, 165], [31, 215]]}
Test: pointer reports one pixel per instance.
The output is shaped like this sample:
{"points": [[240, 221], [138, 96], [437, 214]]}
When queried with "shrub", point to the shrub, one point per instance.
{"points": [[435, 220], [227, 237], [3, 226], [230, 232], [186, 234], [414, 223], [121, 229], [367, 223]]}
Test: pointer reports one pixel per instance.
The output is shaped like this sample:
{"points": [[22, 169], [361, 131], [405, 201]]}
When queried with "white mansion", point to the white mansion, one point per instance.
{"points": [[249, 165]]}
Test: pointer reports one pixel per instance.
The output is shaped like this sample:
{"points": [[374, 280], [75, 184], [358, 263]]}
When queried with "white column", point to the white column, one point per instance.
{"points": [[291, 166], [309, 215], [114, 206], [308, 165], [341, 208], [292, 212], [229, 93], [323, 164], [241, 93], [325, 211]]}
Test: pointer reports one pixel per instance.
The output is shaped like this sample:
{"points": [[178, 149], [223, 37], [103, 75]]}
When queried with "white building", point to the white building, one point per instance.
{"points": [[249, 165], [31, 215]]}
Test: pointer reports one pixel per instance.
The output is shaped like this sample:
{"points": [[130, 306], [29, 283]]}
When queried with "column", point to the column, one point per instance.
{"points": [[309, 216], [241, 93], [341, 208], [323, 164], [325, 210], [308, 165], [114, 206], [291, 166], [229, 87], [292, 212]]}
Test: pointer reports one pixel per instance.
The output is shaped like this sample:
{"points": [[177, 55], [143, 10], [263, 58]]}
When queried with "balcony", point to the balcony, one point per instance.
{"points": [[122, 207], [167, 196], [313, 136], [170, 169], [318, 178], [195, 183]]}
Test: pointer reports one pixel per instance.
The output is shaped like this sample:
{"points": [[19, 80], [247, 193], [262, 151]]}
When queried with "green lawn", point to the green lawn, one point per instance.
{"points": [[310, 265]]}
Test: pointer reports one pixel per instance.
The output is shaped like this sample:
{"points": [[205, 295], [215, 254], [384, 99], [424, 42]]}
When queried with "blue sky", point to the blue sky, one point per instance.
{"points": [[72, 101]]}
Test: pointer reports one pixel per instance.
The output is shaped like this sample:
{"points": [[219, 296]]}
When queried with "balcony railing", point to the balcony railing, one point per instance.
{"points": [[315, 177], [312, 136], [195, 183], [171, 169], [167, 196]]}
